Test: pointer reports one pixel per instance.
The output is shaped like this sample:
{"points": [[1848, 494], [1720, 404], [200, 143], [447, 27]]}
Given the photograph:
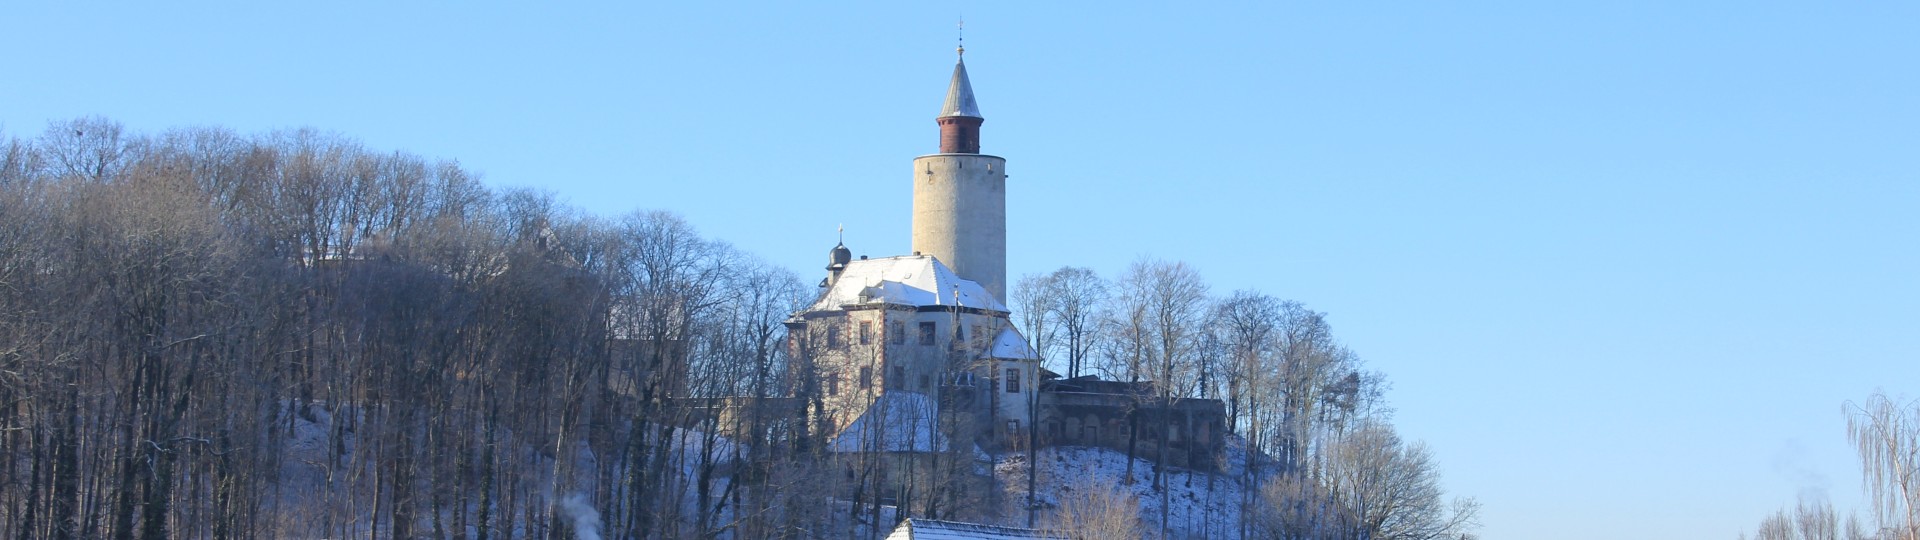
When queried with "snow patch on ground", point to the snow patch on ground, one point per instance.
{"points": [[1198, 504]]}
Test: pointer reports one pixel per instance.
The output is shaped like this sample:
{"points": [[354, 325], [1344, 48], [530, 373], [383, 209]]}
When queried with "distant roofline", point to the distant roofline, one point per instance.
{"points": [[978, 527], [877, 306], [959, 154]]}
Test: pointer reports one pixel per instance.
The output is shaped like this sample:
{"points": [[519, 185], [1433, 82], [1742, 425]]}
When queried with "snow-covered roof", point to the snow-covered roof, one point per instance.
{"points": [[1010, 345], [927, 529], [897, 421], [914, 280]]}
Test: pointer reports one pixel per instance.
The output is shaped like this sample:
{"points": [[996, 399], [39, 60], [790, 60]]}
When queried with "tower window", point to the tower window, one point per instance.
{"points": [[866, 378], [833, 336], [926, 333], [833, 384], [1013, 380], [866, 333], [899, 379], [897, 332]]}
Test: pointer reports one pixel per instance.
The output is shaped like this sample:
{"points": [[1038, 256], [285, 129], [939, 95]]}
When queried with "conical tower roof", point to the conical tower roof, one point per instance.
{"points": [[960, 95]]}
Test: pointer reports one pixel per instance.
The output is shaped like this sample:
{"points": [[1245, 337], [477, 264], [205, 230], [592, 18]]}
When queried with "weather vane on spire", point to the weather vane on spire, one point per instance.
{"points": [[962, 49]]}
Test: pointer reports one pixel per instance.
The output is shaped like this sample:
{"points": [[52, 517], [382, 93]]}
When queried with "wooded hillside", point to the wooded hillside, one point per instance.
{"points": [[211, 335]]}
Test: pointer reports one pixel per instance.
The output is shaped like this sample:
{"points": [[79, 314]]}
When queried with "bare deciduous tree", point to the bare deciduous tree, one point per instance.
{"points": [[1091, 510], [1887, 435], [1391, 489]]}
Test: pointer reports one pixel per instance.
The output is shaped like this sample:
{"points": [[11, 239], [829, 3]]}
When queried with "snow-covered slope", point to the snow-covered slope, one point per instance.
{"points": [[1198, 504]]}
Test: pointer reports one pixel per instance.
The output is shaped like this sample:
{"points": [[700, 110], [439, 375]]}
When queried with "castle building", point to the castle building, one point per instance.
{"points": [[916, 353], [914, 349]]}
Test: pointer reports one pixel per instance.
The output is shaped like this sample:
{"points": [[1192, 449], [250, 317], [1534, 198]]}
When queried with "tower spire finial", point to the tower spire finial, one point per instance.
{"points": [[962, 49]]}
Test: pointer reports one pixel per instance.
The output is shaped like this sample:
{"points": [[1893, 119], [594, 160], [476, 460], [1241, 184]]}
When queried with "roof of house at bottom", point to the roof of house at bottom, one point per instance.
{"points": [[927, 529]]}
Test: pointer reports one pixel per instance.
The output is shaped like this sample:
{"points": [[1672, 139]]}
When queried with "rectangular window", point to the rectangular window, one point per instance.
{"points": [[899, 379], [833, 336], [833, 384], [1013, 428], [1013, 380], [926, 382], [926, 333], [866, 333], [898, 332], [866, 378], [979, 333]]}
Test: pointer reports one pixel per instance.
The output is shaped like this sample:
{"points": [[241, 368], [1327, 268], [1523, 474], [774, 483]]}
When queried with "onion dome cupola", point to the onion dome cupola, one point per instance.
{"points": [[838, 258]]}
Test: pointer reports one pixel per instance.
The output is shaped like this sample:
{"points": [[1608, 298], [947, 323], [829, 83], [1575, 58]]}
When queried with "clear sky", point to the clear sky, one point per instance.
{"points": [[1622, 261]]}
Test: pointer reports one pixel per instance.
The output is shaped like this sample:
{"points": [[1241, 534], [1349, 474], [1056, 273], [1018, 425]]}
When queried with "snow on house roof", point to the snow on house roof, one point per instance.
{"points": [[914, 280], [927, 529], [896, 422], [1010, 345]]}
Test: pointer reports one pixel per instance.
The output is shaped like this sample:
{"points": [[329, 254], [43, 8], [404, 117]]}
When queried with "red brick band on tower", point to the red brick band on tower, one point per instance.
{"points": [[959, 134]]}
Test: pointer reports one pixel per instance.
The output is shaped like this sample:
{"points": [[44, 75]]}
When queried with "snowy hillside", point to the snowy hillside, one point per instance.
{"points": [[1198, 504]]}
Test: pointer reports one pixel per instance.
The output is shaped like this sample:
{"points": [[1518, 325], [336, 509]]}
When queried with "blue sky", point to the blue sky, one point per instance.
{"points": [[1622, 261]]}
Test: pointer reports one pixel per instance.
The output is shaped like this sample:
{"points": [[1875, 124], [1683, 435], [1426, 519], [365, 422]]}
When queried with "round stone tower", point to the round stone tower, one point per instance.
{"points": [[960, 195]]}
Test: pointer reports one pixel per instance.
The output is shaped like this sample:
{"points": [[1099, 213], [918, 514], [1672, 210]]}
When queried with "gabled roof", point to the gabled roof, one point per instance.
{"points": [[927, 529], [898, 421], [960, 95], [912, 280], [1009, 345]]}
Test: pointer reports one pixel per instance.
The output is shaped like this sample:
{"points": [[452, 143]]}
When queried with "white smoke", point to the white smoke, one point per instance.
{"points": [[581, 514], [1794, 462]]}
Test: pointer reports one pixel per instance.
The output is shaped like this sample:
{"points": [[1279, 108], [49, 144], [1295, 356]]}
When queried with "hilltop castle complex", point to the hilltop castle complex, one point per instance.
{"points": [[917, 353]]}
